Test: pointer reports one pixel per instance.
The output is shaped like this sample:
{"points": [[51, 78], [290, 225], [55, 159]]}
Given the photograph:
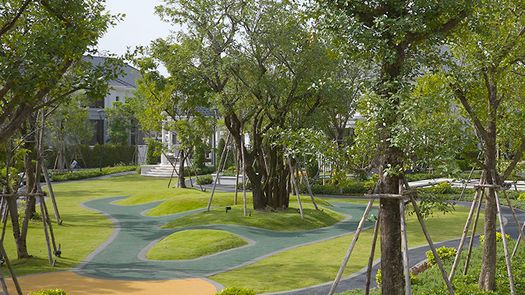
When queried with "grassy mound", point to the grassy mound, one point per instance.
{"points": [[191, 244], [289, 220]]}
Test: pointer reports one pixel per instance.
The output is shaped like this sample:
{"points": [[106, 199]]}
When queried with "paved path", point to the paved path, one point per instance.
{"points": [[122, 257]]}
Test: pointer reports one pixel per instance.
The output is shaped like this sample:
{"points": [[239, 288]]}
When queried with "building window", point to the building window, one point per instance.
{"points": [[117, 98], [98, 134]]}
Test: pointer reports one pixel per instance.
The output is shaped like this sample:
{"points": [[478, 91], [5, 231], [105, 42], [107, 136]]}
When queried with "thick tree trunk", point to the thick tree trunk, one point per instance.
{"points": [[21, 246]]}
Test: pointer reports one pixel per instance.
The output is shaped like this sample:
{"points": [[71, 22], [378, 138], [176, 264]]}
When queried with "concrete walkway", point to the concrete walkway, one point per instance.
{"points": [[122, 257]]}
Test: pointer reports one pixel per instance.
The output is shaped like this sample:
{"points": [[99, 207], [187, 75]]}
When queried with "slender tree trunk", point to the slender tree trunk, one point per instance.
{"points": [[21, 245], [182, 168]]}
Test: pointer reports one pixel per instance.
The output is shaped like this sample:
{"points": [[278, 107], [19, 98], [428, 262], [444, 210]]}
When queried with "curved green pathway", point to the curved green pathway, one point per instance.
{"points": [[122, 256]]}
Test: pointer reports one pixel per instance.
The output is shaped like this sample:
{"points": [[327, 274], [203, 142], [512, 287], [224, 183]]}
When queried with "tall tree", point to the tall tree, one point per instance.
{"points": [[486, 74], [267, 69], [395, 35]]}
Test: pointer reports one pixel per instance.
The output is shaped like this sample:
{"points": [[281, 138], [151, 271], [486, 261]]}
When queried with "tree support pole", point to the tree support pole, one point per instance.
{"points": [[308, 186], [464, 235], [222, 163], [51, 193], [46, 233], [432, 247], [371, 258], [237, 172], [473, 235], [505, 246], [520, 238], [515, 220], [243, 163], [404, 244], [296, 187], [11, 271], [351, 248]]}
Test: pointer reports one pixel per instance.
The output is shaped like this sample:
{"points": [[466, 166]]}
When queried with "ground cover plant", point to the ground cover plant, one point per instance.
{"points": [[89, 173], [191, 244]]}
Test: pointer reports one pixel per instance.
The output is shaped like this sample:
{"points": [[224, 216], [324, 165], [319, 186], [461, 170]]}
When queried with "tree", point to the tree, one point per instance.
{"points": [[120, 117], [267, 71], [37, 68], [394, 35], [486, 74]]}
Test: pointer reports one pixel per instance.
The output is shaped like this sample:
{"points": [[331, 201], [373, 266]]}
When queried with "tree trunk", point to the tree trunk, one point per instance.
{"points": [[21, 245], [182, 168]]}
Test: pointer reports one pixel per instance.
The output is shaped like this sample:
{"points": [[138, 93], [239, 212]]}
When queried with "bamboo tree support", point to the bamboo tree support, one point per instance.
{"points": [[371, 258], [515, 217], [432, 247], [464, 235], [351, 248], [404, 244], [245, 210], [222, 163], [46, 233], [3, 253], [505, 246], [5, 215], [473, 235], [296, 187], [237, 172], [308, 186], [56, 250], [520, 238], [173, 165], [466, 183], [51, 193], [4, 285]]}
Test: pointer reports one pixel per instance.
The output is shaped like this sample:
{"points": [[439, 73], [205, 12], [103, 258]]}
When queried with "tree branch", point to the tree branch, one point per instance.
{"points": [[517, 158], [19, 13]]}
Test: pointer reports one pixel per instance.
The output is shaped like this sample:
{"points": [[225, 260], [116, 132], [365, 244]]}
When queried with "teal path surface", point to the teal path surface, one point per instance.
{"points": [[121, 257]]}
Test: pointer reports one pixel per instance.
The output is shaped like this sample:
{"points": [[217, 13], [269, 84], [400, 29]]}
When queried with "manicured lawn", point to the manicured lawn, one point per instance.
{"points": [[289, 220], [191, 244], [318, 263]]}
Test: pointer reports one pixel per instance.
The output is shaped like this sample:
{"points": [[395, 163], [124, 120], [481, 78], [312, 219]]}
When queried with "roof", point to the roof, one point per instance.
{"points": [[127, 79]]}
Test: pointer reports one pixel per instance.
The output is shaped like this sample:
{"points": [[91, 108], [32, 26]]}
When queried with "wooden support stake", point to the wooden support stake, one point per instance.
{"points": [[3, 253], [243, 163], [4, 285], [237, 172], [51, 193], [220, 167], [466, 183], [371, 257], [432, 247], [505, 246], [404, 244], [520, 238], [473, 235], [309, 187], [522, 233], [464, 235], [351, 248], [52, 234], [296, 187], [46, 233]]}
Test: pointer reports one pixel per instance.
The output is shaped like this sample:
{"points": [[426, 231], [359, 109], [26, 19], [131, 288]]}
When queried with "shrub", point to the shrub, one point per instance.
{"points": [[49, 292], [370, 184], [236, 291], [154, 151], [444, 253], [106, 155], [204, 179], [499, 237], [441, 189], [89, 173], [521, 197], [379, 278]]}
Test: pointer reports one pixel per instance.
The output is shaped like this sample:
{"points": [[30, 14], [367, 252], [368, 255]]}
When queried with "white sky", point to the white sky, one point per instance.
{"points": [[139, 27]]}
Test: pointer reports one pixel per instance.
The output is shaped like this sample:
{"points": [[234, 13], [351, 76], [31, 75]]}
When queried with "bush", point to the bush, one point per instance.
{"points": [[444, 253], [499, 238], [236, 291], [521, 197], [89, 173], [106, 155], [49, 292], [379, 278], [198, 171], [154, 151], [204, 179], [441, 188]]}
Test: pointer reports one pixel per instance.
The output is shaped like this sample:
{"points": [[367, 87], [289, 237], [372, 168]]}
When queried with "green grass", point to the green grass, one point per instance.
{"points": [[318, 263], [288, 220], [191, 244]]}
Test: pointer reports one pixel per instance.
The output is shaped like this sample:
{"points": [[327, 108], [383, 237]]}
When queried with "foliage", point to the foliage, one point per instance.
{"points": [[49, 292], [499, 238], [521, 197], [236, 291], [444, 253], [379, 278], [120, 121], [154, 152], [204, 179], [105, 155], [89, 173]]}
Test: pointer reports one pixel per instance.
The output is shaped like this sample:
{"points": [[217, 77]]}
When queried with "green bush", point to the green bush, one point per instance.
{"points": [[236, 291], [441, 188], [106, 155], [521, 197], [204, 179], [49, 292], [499, 238], [379, 278], [444, 253], [198, 171], [154, 151], [89, 173]]}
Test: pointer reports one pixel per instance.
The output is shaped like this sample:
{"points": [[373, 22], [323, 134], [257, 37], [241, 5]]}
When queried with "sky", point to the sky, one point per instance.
{"points": [[139, 27]]}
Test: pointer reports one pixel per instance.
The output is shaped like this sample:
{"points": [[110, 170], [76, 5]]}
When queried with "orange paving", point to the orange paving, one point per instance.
{"points": [[75, 284]]}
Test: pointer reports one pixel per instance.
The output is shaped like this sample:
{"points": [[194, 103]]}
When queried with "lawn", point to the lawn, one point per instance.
{"points": [[318, 263], [191, 244]]}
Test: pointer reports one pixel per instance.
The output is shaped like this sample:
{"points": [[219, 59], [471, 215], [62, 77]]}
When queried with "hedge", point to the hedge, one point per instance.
{"points": [[89, 173]]}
